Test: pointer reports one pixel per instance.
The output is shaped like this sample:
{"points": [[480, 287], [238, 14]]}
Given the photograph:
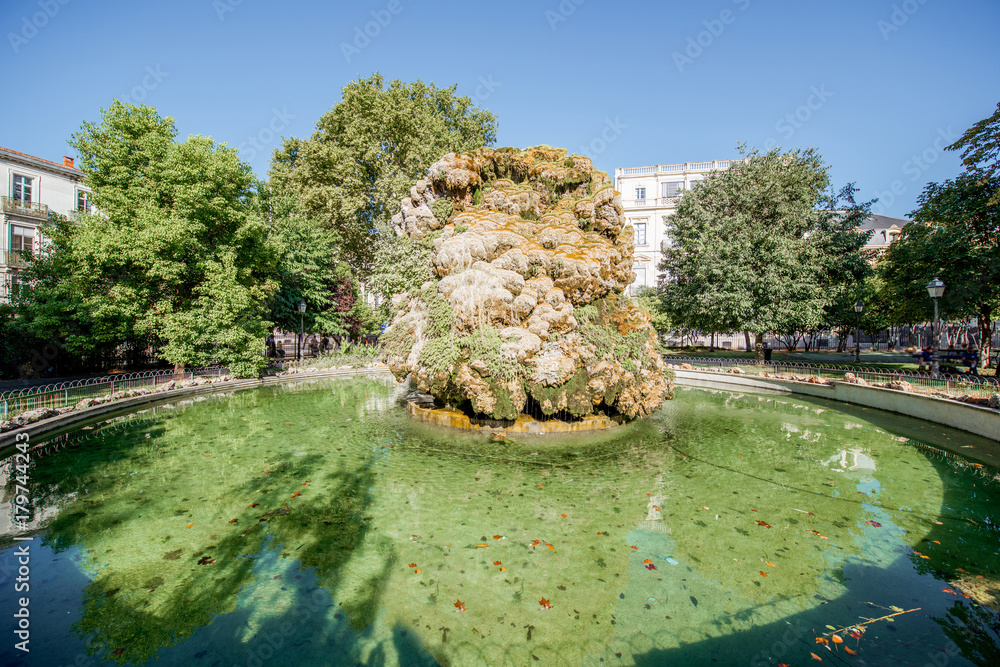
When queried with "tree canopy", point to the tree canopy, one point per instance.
{"points": [[980, 146], [177, 251], [762, 247], [369, 149]]}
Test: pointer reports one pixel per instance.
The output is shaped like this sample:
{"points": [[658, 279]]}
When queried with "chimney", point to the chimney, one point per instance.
{"points": [[67, 161]]}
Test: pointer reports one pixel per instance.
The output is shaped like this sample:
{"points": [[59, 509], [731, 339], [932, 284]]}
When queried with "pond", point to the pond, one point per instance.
{"points": [[315, 524]]}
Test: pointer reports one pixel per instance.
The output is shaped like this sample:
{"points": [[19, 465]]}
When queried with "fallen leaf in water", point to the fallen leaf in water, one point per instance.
{"points": [[550, 546], [656, 507], [413, 564], [563, 515], [189, 525], [948, 590], [836, 639], [545, 603], [416, 571], [496, 562], [459, 605], [935, 541], [764, 524], [535, 543], [938, 523], [634, 547], [762, 573], [297, 493], [647, 561], [254, 505], [783, 664], [815, 657], [650, 567], [767, 562], [874, 524], [496, 537], [856, 633], [234, 521], [481, 545], [850, 651], [822, 640], [503, 569]]}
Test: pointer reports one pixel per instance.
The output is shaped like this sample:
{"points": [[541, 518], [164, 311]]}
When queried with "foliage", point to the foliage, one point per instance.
{"points": [[760, 247], [178, 251], [981, 154], [650, 300], [369, 149]]}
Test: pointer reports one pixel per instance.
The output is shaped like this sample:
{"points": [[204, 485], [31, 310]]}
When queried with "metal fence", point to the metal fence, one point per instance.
{"points": [[64, 394], [922, 381]]}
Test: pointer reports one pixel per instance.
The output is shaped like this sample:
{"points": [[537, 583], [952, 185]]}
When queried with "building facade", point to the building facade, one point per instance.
{"points": [[649, 196], [34, 188]]}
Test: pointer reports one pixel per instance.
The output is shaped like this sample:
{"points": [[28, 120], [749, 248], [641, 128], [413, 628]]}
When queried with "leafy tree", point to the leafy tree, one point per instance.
{"points": [[754, 249], [981, 154], [954, 237], [651, 301], [369, 149], [176, 251]]}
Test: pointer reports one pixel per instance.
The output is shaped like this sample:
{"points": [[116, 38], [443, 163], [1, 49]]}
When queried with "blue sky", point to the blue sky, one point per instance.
{"points": [[878, 86]]}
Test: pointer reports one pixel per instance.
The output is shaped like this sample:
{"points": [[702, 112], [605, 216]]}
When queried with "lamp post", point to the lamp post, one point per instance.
{"points": [[858, 307], [935, 289], [302, 316]]}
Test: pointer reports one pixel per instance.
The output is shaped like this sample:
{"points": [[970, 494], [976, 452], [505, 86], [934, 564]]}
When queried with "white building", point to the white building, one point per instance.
{"points": [[34, 188], [649, 195]]}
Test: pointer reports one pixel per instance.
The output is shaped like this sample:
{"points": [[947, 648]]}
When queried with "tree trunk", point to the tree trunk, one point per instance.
{"points": [[985, 323], [711, 343], [746, 336], [179, 370], [758, 349]]}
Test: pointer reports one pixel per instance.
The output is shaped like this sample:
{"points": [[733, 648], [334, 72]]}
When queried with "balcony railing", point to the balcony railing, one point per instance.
{"points": [[27, 208], [14, 259], [678, 167], [648, 203]]}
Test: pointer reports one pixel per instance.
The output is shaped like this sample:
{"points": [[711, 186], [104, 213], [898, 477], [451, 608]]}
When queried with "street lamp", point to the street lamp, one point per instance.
{"points": [[858, 307], [935, 289], [302, 315]]}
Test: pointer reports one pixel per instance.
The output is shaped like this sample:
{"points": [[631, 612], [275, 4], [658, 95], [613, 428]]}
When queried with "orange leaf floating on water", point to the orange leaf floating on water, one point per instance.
{"points": [[762, 573], [815, 657], [545, 603], [767, 562], [535, 543], [563, 515], [234, 521], [948, 590], [822, 640], [764, 524], [935, 541], [496, 537], [254, 505], [482, 546], [634, 547], [836, 639], [189, 525], [550, 546], [416, 571], [850, 651], [938, 523], [647, 561], [783, 664], [856, 633], [297, 493], [874, 524], [459, 605], [960, 570], [413, 564], [541, 487], [503, 569], [496, 562], [655, 507]]}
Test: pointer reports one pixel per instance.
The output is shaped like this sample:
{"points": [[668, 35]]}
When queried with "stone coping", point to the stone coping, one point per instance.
{"points": [[975, 419], [43, 427]]}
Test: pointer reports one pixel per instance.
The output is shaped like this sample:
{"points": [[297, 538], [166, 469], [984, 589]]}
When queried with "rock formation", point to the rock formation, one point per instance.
{"points": [[529, 257]]}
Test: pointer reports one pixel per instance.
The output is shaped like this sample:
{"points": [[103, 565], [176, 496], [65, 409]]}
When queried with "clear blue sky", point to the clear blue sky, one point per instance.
{"points": [[877, 86]]}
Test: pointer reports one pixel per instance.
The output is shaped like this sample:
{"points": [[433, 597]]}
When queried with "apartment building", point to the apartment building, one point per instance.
{"points": [[649, 195], [35, 187]]}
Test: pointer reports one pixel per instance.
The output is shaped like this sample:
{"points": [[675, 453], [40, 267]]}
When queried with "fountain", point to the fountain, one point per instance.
{"points": [[523, 310]]}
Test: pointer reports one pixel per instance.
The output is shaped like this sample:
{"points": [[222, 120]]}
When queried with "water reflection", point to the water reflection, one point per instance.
{"points": [[315, 520]]}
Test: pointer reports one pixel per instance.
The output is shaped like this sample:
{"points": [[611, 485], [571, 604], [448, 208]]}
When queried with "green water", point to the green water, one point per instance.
{"points": [[357, 533]]}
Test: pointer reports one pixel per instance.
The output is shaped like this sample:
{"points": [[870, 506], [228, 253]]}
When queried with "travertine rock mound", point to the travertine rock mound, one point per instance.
{"points": [[530, 258]]}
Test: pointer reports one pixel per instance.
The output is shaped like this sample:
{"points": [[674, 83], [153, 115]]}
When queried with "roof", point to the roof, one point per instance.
{"points": [[39, 159], [884, 227]]}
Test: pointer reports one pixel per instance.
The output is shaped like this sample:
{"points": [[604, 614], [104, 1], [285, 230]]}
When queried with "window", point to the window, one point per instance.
{"points": [[640, 193], [22, 239], [672, 189], [640, 233], [22, 188], [640, 279], [83, 201]]}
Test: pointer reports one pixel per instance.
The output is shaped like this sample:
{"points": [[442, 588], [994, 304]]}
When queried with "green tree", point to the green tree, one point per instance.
{"points": [[980, 146], [953, 237], [760, 247], [177, 249], [369, 149]]}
